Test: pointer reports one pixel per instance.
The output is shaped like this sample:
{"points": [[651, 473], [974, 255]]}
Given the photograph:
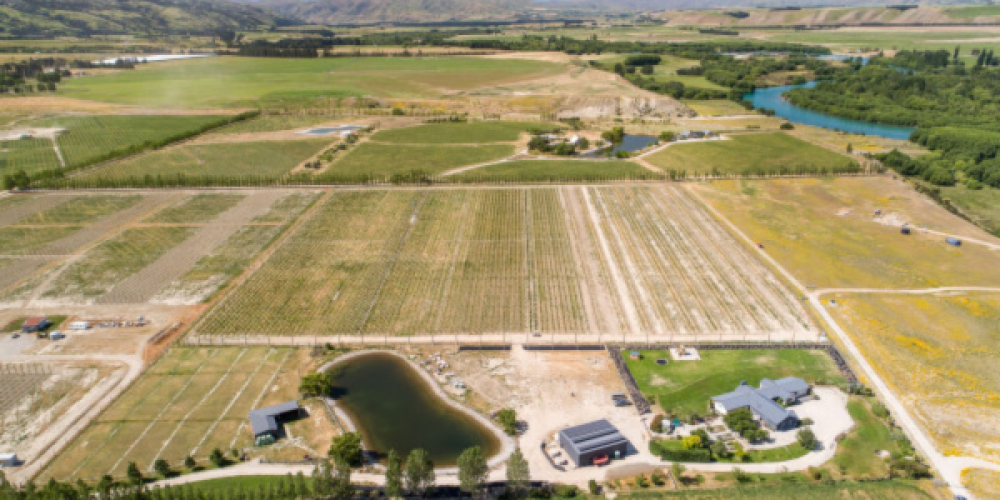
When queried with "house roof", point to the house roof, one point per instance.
{"points": [[592, 436], [265, 419], [34, 321], [761, 401]]}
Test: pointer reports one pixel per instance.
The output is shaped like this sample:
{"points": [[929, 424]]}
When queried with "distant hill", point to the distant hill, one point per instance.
{"points": [[49, 18], [399, 11]]}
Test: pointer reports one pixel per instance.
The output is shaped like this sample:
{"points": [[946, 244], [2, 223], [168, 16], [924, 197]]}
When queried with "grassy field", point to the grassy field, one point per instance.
{"points": [[245, 82], [939, 353], [746, 154], [887, 490], [894, 39], [384, 160], [190, 402], [82, 210], [824, 232], [268, 159], [274, 123], [982, 206], [196, 209], [983, 483], [685, 388], [857, 454], [719, 107], [456, 133], [556, 170], [87, 138]]}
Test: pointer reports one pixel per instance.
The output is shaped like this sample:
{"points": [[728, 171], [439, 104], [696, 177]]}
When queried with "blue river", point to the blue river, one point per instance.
{"points": [[770, 98]]}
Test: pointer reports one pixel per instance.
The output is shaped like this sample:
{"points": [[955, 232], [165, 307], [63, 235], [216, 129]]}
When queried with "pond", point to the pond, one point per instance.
{"points": [[393, 406], [771, 98], [630, 143]]}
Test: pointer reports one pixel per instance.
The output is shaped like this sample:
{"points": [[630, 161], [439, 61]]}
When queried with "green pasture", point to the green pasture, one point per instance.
{"points": [[29, 155], [981, 205], [684, 388], [270, 159], [745, 153], [82, 210], [793, 489], [456, 133], [227, 82], [275, 123], [890, 39], [383, 159], [556, 171]]}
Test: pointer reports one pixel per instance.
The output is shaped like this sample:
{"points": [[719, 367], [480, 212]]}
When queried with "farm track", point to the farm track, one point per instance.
{"points": [[33, 206], [144, 285]]}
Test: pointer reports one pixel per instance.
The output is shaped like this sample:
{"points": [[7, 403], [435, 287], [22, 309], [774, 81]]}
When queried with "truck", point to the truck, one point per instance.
{"points": [[953, 241]]}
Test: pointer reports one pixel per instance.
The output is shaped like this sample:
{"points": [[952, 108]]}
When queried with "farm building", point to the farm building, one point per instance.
{"points": [[594, 443], [8, 460], [267, 421], [35, 324], [79, 325], [764, 402]]}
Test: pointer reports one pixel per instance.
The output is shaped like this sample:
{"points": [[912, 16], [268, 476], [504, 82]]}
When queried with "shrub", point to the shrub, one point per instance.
{"points": [[593, 487], [565, 490], [657, 424], [806, 438], [787, 126], [880, 410], [508, 420]]}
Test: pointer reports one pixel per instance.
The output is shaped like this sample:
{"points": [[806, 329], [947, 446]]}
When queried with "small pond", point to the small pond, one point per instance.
{"points": [[330, 130], [630, 143], [394, 407], [771, 98]]}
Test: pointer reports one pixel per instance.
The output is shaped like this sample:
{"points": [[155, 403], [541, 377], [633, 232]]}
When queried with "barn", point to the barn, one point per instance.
{"points": [[35, 324], [594, 443], [267, 421]]}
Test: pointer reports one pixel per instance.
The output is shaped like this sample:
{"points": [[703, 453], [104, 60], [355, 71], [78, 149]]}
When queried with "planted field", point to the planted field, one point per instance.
{"points": [[227, 82], [716, 107], [161, 247], [826, 232], [556, 171], [273, 123], [747, 154], [982, 205], [938, 352], [887, 490], [456, 133], [271, 159], [685, 387], [87, 139], [572, 260], [385, 160], [192, 401]]}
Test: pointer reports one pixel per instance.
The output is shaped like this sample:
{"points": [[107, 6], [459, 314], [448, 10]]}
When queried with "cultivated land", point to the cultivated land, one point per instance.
{"points": [[190, 402], [458, 133], [556, 171], [746, 154], [85, 139], [599, 262], [131, 248], [938, 351], [826, 232], [382, 160], [684, 387], [243, 81]]}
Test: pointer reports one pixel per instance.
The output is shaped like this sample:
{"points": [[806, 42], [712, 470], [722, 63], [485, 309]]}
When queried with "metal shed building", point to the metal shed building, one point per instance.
{"points": [[586, 442], [267, 420]]}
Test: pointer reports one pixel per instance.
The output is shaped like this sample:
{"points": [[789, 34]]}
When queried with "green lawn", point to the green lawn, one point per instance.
{"points": [[248, 82], [384, 159], [269, 159], [249, 484], [856, 454], [456, 133], [717, 107], [796, 490], [685, 387], [982, 205], [746, 154], [557, 171]]}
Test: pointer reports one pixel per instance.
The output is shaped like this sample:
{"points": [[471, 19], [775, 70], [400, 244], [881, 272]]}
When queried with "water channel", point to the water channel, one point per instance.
{"points": [[394, 406], [771, 98]]}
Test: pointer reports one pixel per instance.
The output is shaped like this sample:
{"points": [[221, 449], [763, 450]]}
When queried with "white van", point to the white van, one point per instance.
{"points": [[79, 325]]}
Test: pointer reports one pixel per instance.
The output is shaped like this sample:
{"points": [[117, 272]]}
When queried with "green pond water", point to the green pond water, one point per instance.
{"points": [[394, 407]]}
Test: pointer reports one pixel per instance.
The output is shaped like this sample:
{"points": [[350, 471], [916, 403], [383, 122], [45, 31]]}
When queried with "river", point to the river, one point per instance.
{"points": [[771, 98]]}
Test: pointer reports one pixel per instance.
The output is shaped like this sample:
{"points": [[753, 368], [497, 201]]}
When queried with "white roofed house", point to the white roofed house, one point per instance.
{"points": [[766, 402]]}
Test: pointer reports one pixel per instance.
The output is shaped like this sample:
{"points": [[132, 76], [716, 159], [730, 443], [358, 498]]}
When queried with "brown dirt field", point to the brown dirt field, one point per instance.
{"points": [[53, 104]]}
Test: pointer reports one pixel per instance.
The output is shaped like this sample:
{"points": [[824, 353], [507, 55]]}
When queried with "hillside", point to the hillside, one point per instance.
{"points": [[400, 11], [852, 16], [49, 18]]}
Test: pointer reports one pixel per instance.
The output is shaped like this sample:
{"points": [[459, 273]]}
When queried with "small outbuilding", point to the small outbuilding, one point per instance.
{"points": [[594, 443], [9, 460], [635, 355], [35, 324], [267, 421]]}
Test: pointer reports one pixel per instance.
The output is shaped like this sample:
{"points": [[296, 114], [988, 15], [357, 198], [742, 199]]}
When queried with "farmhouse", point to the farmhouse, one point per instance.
{"points": [[765, 402], [267, 421], [35, 324], [8, 460], [595, 443]]}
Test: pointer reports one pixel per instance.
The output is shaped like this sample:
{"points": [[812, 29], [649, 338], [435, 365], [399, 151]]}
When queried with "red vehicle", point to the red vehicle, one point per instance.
{"points": [[601, 460]]}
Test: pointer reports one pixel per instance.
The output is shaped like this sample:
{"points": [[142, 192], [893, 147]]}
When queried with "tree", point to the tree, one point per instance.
{"points": [[394, 475], [677, 470], [347, 447], [472, 470], [518, 473], [332, 479], [691, 442], [217, 458], [806, 438], [161, 467], [419, 473], [667, 136], [508, 420], [583, 144], [189, 462], [134, 474], [316, 384], [719, 449]]}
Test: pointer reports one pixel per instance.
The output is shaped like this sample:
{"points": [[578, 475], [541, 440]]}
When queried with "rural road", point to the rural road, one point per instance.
{"points": [[949, 468]]}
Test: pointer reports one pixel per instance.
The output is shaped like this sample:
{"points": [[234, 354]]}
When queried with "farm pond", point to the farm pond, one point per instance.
{"points": [[394, 406], [630, 144]]}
